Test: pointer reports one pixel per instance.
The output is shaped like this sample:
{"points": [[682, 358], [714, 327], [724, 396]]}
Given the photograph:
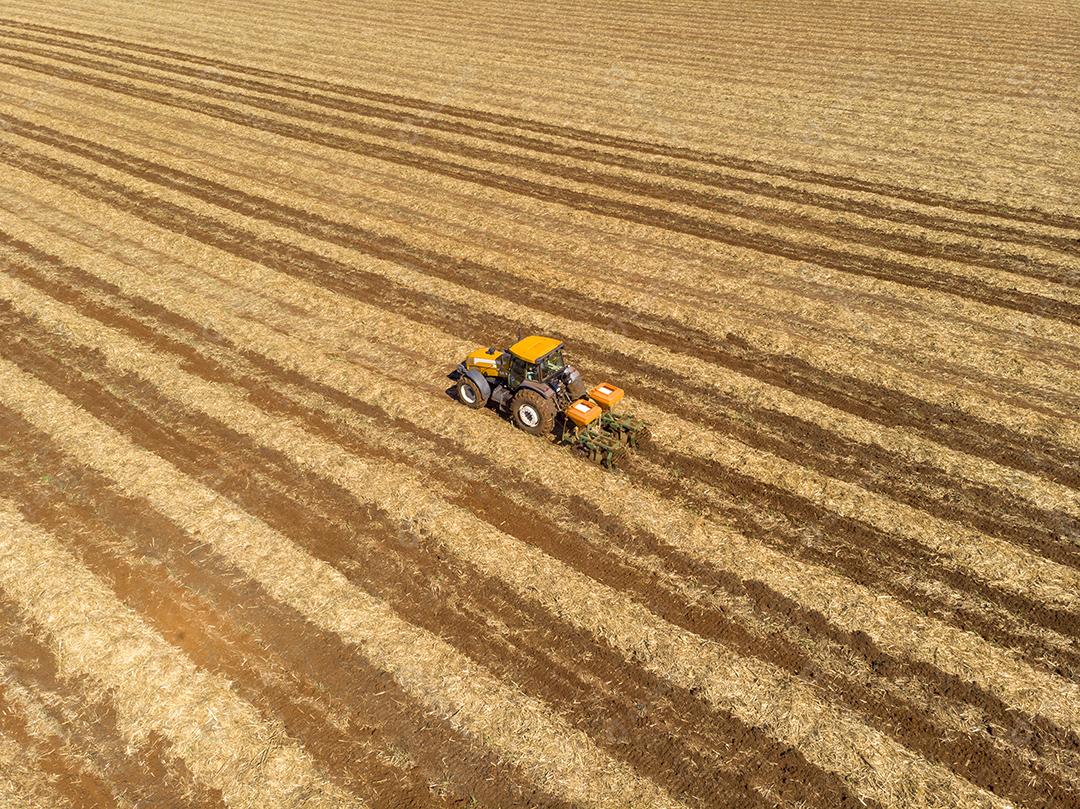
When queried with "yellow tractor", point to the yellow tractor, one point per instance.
{"points": [[545, 395]]}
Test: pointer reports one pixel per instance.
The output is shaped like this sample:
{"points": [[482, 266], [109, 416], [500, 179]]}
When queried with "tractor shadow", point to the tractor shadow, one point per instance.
{"points": [[451, 391]]}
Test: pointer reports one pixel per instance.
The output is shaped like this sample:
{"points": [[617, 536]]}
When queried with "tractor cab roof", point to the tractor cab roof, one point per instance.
{"points": [[533, 347]]}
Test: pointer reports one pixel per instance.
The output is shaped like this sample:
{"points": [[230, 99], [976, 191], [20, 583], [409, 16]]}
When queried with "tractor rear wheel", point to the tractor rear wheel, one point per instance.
{"points": [[532, 412], [469, 393]]}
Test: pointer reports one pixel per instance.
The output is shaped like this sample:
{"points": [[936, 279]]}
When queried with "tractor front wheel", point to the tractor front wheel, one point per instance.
{"points": [[469, 393], [532, 412]]}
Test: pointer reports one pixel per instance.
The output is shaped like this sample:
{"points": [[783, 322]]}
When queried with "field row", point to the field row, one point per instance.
{"points": [[253, 553]]}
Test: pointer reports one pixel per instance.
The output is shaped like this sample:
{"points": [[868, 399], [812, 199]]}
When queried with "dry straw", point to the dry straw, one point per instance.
{"points": [[746, 390], [559, 758], [154, 687], [23, 783], [824, 354], [716, 302], [890, 624], [760, 694]]}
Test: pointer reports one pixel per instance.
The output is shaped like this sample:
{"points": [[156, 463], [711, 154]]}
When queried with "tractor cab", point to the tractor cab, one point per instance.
{"points": [[535, 359]]}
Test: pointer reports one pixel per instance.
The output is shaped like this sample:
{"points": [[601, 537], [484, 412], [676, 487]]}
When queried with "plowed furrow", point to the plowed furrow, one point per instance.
{"points": [[904, 84], [804, 530], [240, 244], [204, 36], [905, 345], [350, 716], [444, 313], [75, 731], [600, 609], [412, 654], [849, 184], [829, 257], [154, 688], [1053, 621], [579, 550], [292, 355], [732, 308], [256, 338], [440, 120], [867, 555], [753, 25], [255, 553], [458, 606], [980, 372]]}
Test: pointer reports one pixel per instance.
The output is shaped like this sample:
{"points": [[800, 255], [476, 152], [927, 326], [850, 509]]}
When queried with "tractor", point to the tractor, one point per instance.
{"points": [[546, 396]]}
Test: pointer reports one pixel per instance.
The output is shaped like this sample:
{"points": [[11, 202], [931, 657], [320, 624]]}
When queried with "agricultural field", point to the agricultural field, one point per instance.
{"points": [[254, 554]]}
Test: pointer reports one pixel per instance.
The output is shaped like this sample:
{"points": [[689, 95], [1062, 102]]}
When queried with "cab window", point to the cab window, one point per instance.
{"points": [[552, 364], [517, 372]]}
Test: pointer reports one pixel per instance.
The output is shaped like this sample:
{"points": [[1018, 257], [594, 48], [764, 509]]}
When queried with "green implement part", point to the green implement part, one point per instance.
{"points": [[604, 441]]}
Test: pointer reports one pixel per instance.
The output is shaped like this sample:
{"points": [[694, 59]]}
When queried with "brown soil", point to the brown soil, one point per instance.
{"points": [[793, 161]]}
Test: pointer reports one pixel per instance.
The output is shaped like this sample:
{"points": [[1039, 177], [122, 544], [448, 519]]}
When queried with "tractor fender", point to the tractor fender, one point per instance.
{"points": [[481, 382], [544, 390]]}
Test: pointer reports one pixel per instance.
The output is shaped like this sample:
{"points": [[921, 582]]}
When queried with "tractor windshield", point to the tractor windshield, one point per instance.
{"points": [[552, 364]]}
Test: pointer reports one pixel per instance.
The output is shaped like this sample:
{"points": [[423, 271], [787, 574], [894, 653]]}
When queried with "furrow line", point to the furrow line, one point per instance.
{"points": [[349, 715], [918, 196], [439, 595], [397, 77], [683, 658], [75, 732], [222, 740], [542, 536], [433, 117], [692, 222], [347, 378], [733, 305], [327, 310], [523, 729], [411, 258], [1008, 579]]}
